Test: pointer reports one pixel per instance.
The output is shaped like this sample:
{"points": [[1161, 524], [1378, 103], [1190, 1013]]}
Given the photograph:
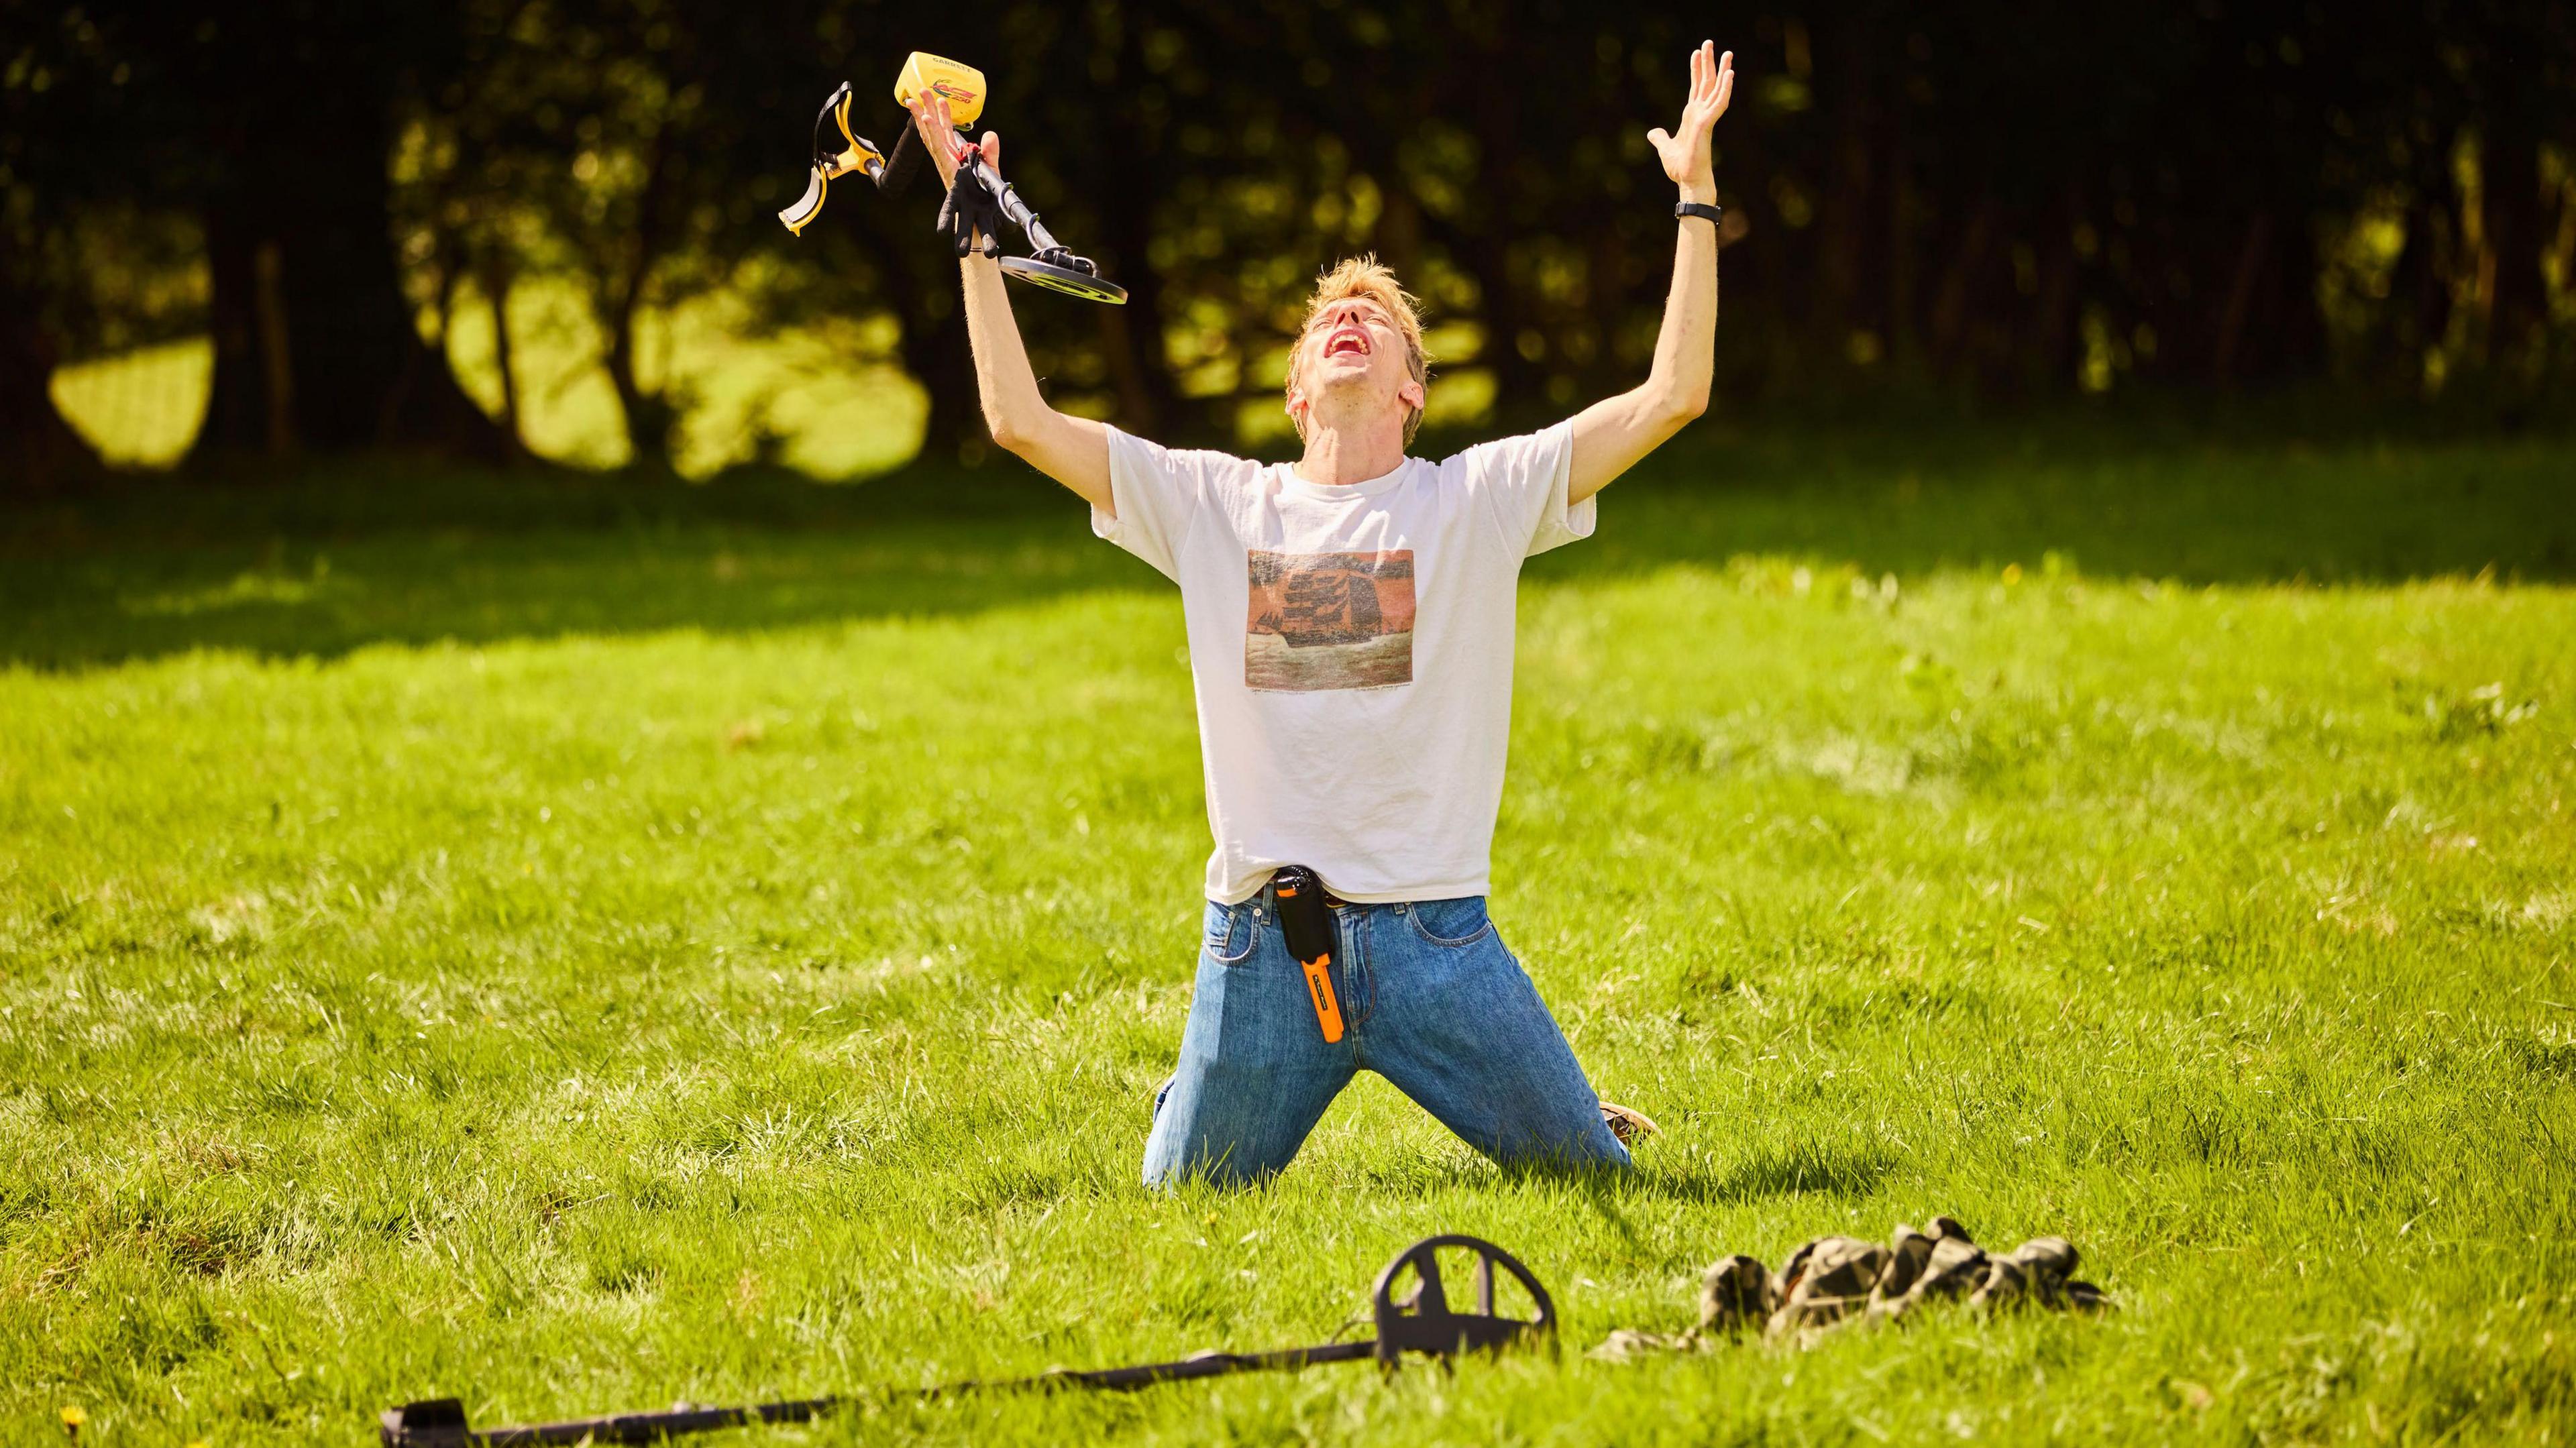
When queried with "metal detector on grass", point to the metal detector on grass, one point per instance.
{"points": [[1410, 1319], [1050, 263]]}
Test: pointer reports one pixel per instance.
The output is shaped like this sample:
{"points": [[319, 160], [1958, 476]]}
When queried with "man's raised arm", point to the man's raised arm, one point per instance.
{"points": [[1072, 450], [1611, 436]]}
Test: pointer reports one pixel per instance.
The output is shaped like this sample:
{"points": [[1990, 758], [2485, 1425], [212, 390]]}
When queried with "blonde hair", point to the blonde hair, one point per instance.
{"points": [[1364, 277]]}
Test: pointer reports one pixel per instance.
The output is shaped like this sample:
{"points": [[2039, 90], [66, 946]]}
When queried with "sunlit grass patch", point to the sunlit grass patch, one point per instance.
{"points": [[823, 397], [667, 956], [141, 409]]}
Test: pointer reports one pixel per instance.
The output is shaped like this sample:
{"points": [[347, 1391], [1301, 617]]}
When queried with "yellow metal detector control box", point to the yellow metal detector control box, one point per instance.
{"points": [[961, 84], [962, 88]]}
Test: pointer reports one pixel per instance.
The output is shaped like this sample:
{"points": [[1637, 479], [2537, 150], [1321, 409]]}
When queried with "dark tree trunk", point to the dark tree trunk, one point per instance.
{"points": [[1904, 347], [2419, 296], [932, 341], [2283, 336], [1399, 227], [1950, 302], [650, 417], [2418, 314], [1606, 299], [1485, 250], [38, 449], [2509, 174], [1847, 224], [1129, 185], [2227, 350], [494, 281], [1139, 364], [237, 408], [2050, 362], [307, 183], [938, 352]]}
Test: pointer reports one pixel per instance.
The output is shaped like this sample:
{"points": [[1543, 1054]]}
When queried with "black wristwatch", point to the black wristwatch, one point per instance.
{"points": [[1684, 211]]}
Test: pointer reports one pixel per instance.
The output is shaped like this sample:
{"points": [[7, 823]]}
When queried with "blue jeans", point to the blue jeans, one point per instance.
{"points": [[1430, 1000]]}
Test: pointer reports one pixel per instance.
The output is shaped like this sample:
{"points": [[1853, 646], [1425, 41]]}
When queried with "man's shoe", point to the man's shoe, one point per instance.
{"points": [[1627, 1123]]}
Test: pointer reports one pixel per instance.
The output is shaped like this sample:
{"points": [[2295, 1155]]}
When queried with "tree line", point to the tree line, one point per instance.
{"points": [[1974, 199]]}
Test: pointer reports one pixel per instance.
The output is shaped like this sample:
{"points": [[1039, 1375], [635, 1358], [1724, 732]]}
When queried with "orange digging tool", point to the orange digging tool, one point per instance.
{"points": [[1307, 922], [1319, 984]]}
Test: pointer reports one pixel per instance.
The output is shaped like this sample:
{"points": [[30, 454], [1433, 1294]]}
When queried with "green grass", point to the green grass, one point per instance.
{"points": [[712, 944]]}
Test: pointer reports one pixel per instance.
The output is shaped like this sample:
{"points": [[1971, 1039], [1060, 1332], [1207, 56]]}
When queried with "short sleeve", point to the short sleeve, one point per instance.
{"points": [[1158, 494], [1523, 482]]}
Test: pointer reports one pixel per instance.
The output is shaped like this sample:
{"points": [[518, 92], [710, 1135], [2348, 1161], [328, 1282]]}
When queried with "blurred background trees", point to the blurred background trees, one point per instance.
{"points": [[459, 228]]}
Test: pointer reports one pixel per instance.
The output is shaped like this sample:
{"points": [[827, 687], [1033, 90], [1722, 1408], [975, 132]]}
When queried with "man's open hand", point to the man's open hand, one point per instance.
{"points": [[938, 134], [1685, 152]]}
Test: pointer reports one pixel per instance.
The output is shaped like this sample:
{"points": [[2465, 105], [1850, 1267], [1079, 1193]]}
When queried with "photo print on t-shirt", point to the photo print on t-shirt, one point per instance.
{"points": [[1329, 621]]}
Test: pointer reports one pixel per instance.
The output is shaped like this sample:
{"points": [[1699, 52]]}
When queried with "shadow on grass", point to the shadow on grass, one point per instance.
{"points": [[338, 560], [1828, 1168], [299, 573], [1819, 1168], [1839, 1169]]}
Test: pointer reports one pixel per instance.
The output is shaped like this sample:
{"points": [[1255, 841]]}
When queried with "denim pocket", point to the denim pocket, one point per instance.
{"points": [[1229, 932], [1462, 921]]}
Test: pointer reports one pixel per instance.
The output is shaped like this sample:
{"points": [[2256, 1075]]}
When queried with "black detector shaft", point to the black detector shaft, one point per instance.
{"points": [[1417, 1321], [1051, 264]]}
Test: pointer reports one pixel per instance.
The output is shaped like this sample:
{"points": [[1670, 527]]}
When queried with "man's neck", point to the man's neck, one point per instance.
{"points": [[1336, 457]]}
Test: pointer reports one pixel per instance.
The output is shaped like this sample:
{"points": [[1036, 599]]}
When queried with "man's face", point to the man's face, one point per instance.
{"points": [[1355, 353]]}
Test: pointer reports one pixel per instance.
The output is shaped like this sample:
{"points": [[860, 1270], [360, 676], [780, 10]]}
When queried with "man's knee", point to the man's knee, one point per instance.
{"points": [[1216, 1169], [1547, 1126], [1215, 1127], [1174, 1158], [1580, 1153]]}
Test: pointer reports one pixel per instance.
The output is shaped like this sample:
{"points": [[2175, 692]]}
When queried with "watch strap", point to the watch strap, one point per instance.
{"points": [[1684, 211]]}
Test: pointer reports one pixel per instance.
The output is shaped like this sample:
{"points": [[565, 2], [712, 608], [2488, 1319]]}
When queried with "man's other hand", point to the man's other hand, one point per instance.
{"points": [[938, 134], [1685, 151]]}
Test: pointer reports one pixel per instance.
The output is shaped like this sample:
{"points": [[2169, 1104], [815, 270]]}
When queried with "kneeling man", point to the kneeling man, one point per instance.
{"points": [[1350, 632]]}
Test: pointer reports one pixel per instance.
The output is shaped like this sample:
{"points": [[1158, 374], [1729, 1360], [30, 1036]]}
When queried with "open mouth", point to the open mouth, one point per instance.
{"points": [[1348, 342]]}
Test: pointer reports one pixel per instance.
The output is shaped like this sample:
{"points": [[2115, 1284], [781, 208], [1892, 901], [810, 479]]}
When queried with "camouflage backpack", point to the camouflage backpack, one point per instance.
{"points": [[1838, 1279]]}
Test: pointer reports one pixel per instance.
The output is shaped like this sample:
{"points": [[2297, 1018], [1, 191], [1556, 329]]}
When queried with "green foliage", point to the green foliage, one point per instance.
{"points": [[1948, 200], [711, 943]]}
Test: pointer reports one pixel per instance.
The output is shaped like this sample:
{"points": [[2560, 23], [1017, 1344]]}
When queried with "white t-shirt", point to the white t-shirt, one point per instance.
{"points": [[1352, 650]]}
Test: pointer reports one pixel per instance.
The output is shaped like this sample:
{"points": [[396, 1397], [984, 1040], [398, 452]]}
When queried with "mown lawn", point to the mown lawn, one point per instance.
{"points": [[705, 946]]}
